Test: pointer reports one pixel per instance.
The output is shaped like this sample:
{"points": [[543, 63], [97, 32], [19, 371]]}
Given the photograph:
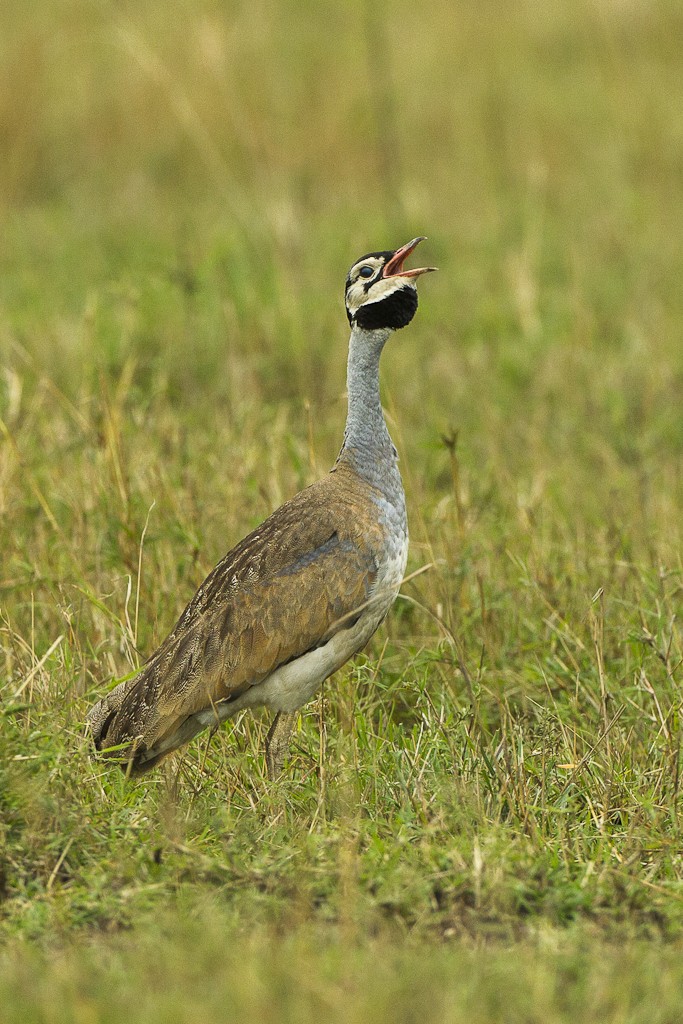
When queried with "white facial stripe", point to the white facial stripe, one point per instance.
{"points": [[357, 296], [371, 261]]}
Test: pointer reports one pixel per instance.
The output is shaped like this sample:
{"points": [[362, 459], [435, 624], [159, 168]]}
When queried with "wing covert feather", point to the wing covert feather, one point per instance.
{"points": [[278, 594]]}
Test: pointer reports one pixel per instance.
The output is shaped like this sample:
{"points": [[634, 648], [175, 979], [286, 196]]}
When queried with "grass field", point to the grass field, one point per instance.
{"points": [[481, 816]]}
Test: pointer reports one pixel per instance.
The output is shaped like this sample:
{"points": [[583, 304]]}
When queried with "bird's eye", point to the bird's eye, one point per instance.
{"points": [[366, 272]]}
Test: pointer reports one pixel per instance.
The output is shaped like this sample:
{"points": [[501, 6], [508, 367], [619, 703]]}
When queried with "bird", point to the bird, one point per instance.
{"points": [[303, 592]]}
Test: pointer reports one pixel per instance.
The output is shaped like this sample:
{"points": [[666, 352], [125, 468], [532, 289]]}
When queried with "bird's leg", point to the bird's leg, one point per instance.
{"points": [[277, 742]]}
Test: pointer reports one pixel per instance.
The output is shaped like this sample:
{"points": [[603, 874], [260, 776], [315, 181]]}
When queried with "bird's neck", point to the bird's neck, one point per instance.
{"points": [[367, 445]]}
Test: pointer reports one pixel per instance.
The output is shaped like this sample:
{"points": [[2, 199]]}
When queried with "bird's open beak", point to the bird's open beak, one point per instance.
{"points": [[394, 266]]}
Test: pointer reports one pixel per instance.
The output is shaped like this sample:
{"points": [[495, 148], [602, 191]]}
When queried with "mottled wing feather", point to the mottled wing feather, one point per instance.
{"points": [[279, 593]]}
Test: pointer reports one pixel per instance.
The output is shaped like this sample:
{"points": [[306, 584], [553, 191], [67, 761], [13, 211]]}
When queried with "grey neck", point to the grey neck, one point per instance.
{"points": [[367, 444]]}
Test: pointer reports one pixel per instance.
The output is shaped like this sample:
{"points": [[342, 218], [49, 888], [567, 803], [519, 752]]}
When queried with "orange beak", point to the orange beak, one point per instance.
{"points": [[394, 267]]}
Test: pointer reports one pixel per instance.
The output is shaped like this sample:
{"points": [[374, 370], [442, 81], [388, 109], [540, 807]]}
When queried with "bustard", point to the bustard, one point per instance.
{"points": [[302, 593]]}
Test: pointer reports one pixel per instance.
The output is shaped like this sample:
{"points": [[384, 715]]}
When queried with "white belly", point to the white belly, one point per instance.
{"points": [[293, 684]]}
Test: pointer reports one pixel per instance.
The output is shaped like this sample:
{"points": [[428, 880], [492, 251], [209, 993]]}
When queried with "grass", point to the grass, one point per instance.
{"points": [[481, 815], [262, 980]]}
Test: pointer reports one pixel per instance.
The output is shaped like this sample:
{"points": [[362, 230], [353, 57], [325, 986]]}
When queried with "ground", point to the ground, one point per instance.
{"points": [[480, 817]]}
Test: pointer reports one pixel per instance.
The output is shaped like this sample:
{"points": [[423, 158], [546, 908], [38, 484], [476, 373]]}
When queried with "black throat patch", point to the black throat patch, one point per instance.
{"points": [[396, 311]]}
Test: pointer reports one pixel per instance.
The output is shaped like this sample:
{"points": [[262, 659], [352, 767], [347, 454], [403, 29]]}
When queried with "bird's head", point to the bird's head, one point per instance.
{"points": [[380, 293]]}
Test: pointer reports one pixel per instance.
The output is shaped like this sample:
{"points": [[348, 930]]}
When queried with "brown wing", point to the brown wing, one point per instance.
{"points": [[281, 592]]}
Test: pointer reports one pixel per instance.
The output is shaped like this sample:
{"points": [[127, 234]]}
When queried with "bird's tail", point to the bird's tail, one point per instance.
{"points": [[136, 726], [124, 724]]}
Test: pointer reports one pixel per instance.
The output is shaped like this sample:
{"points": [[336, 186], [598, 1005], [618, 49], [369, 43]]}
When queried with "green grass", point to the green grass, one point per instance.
{"points": [[303, 976], [481, 817]]}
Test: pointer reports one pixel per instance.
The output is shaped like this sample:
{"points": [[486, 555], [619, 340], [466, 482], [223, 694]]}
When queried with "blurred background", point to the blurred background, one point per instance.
{"points": [[241, 156]]}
